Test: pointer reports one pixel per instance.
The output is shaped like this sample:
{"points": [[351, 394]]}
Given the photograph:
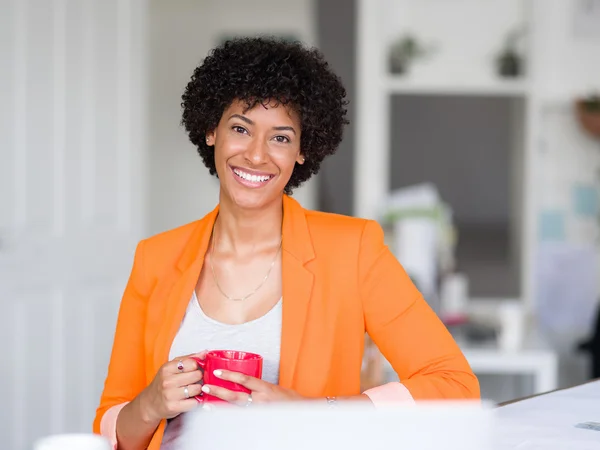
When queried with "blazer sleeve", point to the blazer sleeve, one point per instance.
{"points": [[126, 371], [409, 334]]}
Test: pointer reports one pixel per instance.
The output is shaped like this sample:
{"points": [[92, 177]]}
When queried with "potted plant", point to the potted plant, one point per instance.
{"points": [[509, 62], [404, 51], [588, 113]]}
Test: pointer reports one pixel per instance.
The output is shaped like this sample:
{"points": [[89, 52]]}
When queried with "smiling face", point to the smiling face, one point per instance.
{"points": [[255, 152]]}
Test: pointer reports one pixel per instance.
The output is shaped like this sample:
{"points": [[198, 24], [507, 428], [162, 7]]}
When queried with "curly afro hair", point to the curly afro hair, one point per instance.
{"points": [[260, 70]]}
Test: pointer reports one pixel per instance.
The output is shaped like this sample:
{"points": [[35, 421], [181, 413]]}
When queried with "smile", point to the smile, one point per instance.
{"points": [[251, 179]]}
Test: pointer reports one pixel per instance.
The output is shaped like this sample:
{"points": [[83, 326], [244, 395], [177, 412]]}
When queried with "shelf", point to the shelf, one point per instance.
{"points": [[491, 87]]}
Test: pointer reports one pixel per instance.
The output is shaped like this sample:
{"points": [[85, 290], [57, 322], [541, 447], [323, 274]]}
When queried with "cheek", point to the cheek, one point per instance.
{"points": [[228, 148], [286, 163]]}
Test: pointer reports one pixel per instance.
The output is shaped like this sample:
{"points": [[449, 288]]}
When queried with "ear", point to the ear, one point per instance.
{"points": [[210, 138], [300, 159]]}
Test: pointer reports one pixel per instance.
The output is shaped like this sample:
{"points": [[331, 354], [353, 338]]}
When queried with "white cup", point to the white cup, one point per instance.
{"points": [[454, 293], [73, 442], [512, 326]]}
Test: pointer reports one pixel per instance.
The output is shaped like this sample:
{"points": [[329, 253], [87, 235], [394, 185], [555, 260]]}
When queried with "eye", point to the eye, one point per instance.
{"points": [[282, 139], [239, 129]]}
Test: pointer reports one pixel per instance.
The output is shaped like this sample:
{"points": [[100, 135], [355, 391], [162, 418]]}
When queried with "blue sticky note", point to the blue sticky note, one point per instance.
{"points": [[585, 201], [552, 226]]}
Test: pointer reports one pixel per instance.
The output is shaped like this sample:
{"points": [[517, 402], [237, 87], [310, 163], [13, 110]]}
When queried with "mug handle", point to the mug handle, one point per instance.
{"points": [[202, 365]]}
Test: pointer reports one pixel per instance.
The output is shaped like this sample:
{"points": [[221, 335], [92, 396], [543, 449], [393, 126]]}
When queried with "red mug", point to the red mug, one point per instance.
{"points": [[232, 360]]}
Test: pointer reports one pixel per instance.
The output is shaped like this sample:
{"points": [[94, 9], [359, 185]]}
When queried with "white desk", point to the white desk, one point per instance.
{"points": [[542, 364], [549, 422]]}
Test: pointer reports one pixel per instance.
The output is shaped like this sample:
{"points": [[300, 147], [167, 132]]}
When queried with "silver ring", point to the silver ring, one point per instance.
{"points": [[249, 400], [186, 392], [180, 365]]}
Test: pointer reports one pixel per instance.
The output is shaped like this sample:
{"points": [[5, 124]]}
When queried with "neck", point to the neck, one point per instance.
{"points": [[242, 231]]}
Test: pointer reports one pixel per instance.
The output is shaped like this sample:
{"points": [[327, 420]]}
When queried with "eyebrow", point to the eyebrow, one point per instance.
{"points": [[250, 122]]}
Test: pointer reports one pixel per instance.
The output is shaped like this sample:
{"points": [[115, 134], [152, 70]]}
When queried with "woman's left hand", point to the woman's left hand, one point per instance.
{"points": [[262, 391]]}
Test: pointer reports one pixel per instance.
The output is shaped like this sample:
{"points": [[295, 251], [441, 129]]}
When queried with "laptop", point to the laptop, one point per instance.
{"points": [[306, 426]]}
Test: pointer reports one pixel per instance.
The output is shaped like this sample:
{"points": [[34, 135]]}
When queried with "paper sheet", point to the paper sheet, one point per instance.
{"points": [[567, 287]]}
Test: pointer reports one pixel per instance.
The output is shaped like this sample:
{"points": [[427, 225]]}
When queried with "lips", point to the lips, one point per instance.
{"points": [[251, 178]]}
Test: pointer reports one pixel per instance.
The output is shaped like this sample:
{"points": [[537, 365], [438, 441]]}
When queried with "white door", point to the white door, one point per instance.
{"points": [[70, 204]]}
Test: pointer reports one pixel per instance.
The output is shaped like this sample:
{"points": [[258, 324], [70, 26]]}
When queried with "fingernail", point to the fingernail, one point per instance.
{"points": [[206, 389], [218, 372]]}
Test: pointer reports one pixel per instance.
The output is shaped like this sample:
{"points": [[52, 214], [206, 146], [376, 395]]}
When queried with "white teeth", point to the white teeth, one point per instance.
{"points": [[249, 177]]}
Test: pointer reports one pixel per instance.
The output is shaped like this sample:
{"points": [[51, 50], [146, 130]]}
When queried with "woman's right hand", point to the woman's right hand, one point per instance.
{"points": [[166, 396]]}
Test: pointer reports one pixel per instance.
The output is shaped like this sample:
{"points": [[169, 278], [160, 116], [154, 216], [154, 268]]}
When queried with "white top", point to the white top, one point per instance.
{"points": [[199, 332]]}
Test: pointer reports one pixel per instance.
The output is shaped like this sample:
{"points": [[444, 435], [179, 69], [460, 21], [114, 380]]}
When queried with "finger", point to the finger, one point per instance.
{"points": [[238, 398], [183, 379], [201, 355], [181, 393], [182, 364], [251, 383]]}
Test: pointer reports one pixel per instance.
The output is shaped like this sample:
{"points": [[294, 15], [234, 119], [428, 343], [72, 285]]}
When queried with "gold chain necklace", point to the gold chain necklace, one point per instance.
{"points": [[240, 299]]}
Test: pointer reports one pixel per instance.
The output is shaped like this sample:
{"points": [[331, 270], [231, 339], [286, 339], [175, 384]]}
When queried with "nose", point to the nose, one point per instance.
{"points": [[257, 152]]}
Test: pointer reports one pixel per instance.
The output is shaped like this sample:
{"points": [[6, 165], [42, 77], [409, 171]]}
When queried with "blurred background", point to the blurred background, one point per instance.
{"points": [[474, 140]]}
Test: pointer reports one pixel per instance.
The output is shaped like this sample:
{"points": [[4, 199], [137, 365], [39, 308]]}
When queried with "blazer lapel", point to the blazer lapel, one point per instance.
{"points": [[297, 283], [189, 267]]}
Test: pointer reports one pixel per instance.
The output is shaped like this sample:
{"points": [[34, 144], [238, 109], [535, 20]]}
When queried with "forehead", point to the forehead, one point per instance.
{"points": [[264, 111]]}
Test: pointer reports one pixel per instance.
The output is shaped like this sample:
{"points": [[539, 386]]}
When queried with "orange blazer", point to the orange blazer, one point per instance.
{"points": [[339, 281]]}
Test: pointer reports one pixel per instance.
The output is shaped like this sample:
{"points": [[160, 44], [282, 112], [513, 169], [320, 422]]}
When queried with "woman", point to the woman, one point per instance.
{"points": [[262, 274]]}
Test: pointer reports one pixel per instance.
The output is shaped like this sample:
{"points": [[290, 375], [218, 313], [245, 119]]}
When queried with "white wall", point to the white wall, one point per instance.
{"points": [[466, 33], [568, 62], [567, 65], [72, 151], [181, 34]]}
